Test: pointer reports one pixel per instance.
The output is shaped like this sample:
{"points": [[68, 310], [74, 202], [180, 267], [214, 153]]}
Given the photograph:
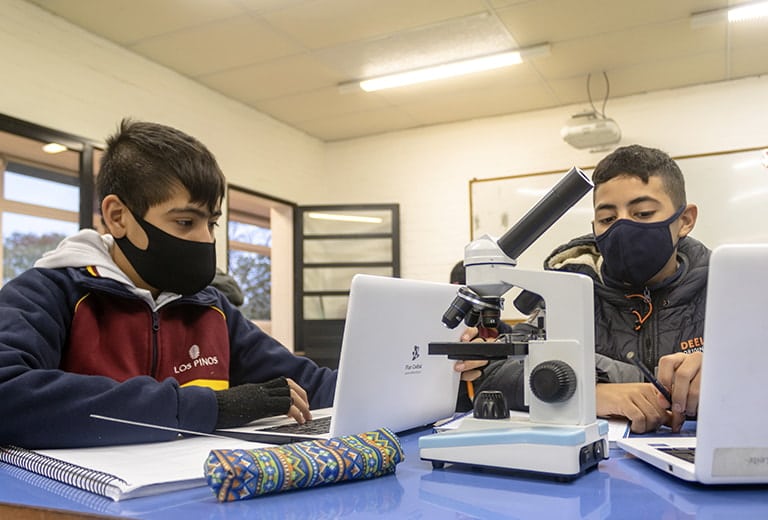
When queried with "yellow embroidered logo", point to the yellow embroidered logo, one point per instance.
{"points": [[692, 345]]}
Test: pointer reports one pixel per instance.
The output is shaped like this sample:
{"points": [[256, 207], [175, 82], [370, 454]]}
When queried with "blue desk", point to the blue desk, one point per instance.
{"points": [[621, 487]]}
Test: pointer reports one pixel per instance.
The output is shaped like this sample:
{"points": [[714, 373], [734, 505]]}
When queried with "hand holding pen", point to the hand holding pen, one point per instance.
{"points": [[681, 373], [650, 377]]}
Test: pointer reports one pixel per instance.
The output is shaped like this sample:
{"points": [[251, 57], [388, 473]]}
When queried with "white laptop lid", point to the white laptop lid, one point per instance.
{"points": [[732, 424], [385, 377]]}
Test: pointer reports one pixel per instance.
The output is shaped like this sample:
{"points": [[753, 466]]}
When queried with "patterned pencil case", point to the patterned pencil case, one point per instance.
{"points": [[240, 474]]}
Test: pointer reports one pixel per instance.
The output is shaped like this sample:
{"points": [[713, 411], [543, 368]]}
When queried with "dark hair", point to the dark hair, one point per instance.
{"points": [[459, 273], [641, 162], [144, 162]]}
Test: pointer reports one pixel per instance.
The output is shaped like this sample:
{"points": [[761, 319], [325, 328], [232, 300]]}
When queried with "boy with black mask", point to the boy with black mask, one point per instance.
{"points": [[125, 324], [650, 286]]}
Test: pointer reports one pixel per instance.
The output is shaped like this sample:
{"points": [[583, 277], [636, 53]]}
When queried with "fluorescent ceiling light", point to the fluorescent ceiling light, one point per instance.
{"points": [[738, 13], [54, 148], [346, 218], [748, 11], [452, 69]]}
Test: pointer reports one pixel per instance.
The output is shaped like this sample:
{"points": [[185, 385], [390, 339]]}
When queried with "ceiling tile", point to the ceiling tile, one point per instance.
{"points": [[327, 102], [286, 76], [644, 77], [265, 6], [217, 46], [748, 61], [610, 51], [490, 101], [530, 22], [358, 124], [454, 40], [129, 21], [746, 34], [331, 22]]}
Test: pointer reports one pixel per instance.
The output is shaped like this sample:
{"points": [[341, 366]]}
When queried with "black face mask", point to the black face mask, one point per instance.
{"points": [[170, 263], [633, 252]]}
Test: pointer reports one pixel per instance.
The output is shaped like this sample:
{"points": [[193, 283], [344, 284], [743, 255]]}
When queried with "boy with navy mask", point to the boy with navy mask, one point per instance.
{"points": [[125, 324], [650, 285]]}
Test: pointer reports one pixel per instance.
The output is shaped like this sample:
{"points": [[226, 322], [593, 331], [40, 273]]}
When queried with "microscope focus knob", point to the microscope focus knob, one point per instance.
{"points": [[553, 381], [490, 404]]}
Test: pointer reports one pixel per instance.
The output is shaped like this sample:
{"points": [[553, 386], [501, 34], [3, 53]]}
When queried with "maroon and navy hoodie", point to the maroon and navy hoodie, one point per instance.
{"points": [[77, 337]]}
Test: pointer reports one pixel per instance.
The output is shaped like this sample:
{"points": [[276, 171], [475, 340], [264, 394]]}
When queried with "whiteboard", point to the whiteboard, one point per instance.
{"points": [[730, 188]]}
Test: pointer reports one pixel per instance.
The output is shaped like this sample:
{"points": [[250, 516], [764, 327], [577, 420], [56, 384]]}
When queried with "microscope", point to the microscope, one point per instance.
{"points": [[561, 436]]}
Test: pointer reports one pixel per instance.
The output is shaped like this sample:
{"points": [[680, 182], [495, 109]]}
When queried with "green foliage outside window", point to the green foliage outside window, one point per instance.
{"points": [[253, 273], [21, 250]]}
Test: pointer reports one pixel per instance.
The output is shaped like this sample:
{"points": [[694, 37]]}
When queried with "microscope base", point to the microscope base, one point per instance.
{"points": [[561, 451]]}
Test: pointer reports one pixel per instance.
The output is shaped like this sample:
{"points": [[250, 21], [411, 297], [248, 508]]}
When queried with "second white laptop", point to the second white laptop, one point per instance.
{"points": [[385, 377], [731, 443]]}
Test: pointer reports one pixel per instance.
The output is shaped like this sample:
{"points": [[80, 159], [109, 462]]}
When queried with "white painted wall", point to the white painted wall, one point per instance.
{"points": [[428, 170]]}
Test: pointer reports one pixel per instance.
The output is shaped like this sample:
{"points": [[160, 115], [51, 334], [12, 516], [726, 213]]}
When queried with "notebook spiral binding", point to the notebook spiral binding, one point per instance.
{"points": [[82, 478]]}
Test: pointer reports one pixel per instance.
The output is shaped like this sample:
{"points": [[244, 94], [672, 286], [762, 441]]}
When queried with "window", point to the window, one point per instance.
{"points": [[44, 194], [39, 207], [260, 235], [250, 264]]}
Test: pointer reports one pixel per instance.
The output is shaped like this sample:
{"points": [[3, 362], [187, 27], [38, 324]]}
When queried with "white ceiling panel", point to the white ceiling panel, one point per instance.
{"points": [[209, 48], [287, 58]]}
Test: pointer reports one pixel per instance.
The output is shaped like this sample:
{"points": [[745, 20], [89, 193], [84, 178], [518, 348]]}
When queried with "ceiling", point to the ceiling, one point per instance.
{"points": [[287, 58]]}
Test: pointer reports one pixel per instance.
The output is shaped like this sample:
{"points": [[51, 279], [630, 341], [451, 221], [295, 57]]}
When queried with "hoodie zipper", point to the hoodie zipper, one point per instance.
{"points": [[155, 329], [650, 348]]}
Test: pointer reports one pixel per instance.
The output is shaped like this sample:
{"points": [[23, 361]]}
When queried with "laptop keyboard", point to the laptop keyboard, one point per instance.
{"points": [[687, 454], [313, 427]]}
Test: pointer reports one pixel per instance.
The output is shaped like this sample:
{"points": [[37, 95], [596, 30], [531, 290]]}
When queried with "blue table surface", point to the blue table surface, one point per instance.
{"points": [[621, 487]]}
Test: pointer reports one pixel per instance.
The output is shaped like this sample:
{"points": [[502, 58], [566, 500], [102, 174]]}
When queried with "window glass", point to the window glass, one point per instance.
{"points": [[42, 192], [347, 222], [26, 238], [249, 233], [325, 307], [250, 264], [252, 272], [338, 250], [337, 278]]}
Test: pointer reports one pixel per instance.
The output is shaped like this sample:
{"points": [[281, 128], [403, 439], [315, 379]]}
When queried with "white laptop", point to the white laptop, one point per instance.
{"points": [[385, 378], [731, 442]]}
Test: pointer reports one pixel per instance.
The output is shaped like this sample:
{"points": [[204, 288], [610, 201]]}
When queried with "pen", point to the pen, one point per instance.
{"points": [[650, 377]]}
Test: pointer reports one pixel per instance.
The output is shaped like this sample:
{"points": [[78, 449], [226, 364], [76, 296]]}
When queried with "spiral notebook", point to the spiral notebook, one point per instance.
{"points": [[731, 445], [123, 472]]}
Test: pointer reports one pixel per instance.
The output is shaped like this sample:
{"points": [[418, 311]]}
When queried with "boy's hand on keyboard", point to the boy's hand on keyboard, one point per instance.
{"points": [[299, 410], [244, 403]]}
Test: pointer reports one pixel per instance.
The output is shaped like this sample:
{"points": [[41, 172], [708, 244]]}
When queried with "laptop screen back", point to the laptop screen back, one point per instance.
{"points": [[732, 427], [386, 377]]}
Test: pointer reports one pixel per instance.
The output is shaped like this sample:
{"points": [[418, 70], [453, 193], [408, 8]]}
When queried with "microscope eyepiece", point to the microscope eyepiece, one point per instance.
{"points": [[546, 212]]}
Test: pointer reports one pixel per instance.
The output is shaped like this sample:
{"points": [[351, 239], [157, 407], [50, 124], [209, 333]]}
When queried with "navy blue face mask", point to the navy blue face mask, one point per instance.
{"points": [[170, 263], [633, 252]]}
